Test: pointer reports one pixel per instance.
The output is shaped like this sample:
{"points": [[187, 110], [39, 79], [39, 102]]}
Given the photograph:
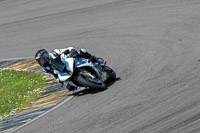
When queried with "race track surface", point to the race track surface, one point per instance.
{"points": [[153, 45]]}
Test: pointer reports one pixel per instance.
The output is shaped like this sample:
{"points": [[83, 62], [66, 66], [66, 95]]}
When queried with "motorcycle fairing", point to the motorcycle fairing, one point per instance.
{"points": [[67, 66], [63, 76], [82, 62], [69, 62], [85, 63], [72, 63]]}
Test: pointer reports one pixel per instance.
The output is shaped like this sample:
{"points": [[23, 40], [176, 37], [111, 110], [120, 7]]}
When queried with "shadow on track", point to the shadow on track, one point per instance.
{"points": [[92, 91]]}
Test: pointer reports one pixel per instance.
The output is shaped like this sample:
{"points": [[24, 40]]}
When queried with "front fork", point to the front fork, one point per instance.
{"points": [[102, 74]]}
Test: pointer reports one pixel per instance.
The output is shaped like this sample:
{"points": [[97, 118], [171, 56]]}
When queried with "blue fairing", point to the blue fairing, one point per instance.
{"points": [[67, 65], [64, 74], [80, 62]]}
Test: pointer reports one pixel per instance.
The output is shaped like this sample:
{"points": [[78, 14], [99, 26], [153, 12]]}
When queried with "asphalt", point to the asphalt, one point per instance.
{"points": [[153, 45]]}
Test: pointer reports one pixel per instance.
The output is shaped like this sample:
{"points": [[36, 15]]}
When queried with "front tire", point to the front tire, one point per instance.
{"points": [[88, 83], [111, 73]]}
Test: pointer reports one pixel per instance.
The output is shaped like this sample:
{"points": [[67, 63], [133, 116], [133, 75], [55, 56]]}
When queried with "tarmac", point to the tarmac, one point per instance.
{"points": [[153, 45]]}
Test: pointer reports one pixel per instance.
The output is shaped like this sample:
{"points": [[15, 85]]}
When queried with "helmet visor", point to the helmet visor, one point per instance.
{"points": [[42, 61]]}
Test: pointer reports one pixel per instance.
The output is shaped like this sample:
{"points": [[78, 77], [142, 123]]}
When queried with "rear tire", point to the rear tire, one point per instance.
{"points": [[87, 83]]}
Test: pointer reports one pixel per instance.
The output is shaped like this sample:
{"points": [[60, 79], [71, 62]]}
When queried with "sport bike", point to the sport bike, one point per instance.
{"points": [[81, 72]]}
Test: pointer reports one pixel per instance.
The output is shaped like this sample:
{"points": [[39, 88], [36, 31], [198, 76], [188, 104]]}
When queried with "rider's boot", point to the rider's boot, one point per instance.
{"points": [[71, 88], [97, 59], [85, 54]]}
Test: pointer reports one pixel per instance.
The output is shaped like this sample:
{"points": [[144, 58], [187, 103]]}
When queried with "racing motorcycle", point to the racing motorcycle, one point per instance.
{"points": [[81, 72]]}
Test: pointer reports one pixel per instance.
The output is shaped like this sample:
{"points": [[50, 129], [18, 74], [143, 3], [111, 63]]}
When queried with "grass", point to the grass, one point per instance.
{"points": [[17, 90]]}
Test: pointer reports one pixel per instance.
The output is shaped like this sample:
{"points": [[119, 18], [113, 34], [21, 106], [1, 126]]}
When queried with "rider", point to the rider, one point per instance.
{"points": [[52, 64]]}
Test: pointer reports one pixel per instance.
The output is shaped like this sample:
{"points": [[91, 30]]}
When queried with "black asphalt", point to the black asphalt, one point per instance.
{"points": [[153, 45]]}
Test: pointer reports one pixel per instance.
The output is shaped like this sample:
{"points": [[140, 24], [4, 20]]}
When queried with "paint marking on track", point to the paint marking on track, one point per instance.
{"points": [[24, 65], [17, 58], [53, 95], [60, 104]]}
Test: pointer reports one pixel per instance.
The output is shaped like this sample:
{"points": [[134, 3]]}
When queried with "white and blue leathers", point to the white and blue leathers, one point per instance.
{"points": [[55, 57]]}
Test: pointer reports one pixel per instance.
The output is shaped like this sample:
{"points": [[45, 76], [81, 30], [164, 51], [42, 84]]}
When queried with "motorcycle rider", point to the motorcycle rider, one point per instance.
{"points": [[52, 64]]}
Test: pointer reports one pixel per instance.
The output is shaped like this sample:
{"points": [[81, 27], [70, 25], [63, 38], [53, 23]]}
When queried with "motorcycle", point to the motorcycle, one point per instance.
{"points": [[81, 72]]}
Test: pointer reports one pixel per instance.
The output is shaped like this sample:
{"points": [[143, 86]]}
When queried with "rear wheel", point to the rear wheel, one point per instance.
{"points": [[91, 82]]}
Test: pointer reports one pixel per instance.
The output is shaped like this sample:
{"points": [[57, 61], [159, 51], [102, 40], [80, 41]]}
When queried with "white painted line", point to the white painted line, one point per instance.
{"points": [[17, 58], [61, 103]]}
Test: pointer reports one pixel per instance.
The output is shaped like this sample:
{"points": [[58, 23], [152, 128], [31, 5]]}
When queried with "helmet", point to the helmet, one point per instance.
{"points": [[42, 57]]}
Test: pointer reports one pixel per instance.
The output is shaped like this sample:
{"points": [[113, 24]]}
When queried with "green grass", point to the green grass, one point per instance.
{"points": [[17, 90]]}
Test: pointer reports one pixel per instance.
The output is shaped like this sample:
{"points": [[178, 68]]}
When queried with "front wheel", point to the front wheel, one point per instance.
{"points": [[111, 73], [90, 82]]}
